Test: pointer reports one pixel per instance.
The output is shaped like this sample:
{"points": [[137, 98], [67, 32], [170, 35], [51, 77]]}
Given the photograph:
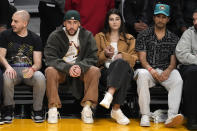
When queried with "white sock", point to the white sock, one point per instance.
{"points": [[53, 108]]}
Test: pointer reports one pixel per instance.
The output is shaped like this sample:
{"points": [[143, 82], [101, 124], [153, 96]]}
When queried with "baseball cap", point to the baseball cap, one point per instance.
{"points": [[162, 9], [72, 15]]}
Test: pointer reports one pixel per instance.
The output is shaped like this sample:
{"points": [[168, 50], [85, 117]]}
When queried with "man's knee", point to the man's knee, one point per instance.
{"points": [[142, 73], [39, 78], [7, 82], [121, 63], [94, 71], [177, 77], [39, 75], [50, 71], [178, 81], [190, 73]]}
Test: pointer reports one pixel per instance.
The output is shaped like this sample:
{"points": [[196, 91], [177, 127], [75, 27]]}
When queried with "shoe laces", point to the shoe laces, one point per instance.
{"points": [[38, 113], [145, 118]]}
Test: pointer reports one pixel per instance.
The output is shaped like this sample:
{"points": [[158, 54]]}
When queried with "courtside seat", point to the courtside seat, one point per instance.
{"points": [[66, 94], [159, 95], [23, 94], [23, 97]]}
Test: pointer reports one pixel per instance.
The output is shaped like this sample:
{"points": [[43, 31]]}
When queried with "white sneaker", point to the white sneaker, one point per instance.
{"points": [[174, 121], [119, 117], [145, 121], [106, 100], [86, 115], [52, 115]]}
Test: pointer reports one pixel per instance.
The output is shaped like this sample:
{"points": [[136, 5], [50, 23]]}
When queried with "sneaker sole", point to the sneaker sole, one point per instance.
{"points": [[126, 123], [37, 121], [145, 125], [1, 123], [52, 122], [178, 120], [103, 105], [88, 122], [7, 122], [40, 121]]}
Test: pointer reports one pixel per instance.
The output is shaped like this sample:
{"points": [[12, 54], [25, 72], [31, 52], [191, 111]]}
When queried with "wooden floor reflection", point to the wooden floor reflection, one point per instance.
{"points": [[78, 125]]}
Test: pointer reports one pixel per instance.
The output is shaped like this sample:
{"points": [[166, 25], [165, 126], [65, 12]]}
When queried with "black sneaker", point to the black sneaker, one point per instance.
{"points": [[8, 114], [37, 116]]}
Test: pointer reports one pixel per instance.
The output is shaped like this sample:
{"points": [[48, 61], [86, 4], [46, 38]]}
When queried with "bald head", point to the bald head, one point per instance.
{"points": [[23, 14], [20, 20]]}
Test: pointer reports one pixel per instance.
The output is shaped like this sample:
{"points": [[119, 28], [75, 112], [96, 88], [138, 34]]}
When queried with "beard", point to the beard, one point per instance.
{"points": [[160, 25], [70, 32]]}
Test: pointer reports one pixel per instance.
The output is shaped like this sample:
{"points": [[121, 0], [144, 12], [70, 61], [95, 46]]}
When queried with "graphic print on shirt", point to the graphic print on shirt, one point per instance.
{"points": [[22, 54], [72, 53]]}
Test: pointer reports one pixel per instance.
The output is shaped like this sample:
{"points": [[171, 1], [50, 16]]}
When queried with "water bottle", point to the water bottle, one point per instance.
{"points": [[156, 120]]}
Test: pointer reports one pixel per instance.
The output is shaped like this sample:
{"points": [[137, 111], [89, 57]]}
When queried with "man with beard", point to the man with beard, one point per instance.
{"points": [[156, 47], [71, 54], [186, 52], [176, 22]]}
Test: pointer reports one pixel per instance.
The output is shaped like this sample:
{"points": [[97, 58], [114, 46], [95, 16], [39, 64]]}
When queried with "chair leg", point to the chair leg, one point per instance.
{"points": [[22, 111]]}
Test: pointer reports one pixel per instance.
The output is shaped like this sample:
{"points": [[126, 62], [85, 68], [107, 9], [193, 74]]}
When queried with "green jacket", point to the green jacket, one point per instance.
{"points": [[58, 45]]}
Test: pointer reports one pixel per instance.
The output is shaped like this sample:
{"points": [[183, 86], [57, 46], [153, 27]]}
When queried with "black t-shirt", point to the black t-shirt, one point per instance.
{"points": [[20, 49]]}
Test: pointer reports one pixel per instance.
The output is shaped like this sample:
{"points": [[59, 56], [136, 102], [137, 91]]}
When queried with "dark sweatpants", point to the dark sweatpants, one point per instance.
{"points": [[189, 75], [118, 75]]}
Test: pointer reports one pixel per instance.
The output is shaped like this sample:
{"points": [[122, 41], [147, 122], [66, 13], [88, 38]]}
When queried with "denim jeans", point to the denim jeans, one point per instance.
{"points": [[38, 82]]}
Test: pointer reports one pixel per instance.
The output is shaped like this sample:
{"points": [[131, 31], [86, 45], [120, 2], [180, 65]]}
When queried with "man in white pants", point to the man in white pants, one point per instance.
{"points": [[155, 47]]}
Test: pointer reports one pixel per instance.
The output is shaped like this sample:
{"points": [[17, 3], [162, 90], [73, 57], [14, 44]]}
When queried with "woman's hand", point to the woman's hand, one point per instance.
{"points": [[118, 56], [109, 51]]}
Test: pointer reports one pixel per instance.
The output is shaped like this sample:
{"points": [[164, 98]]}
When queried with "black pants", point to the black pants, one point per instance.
{"points": [[50, 19], [189, 75], [118, 75]]}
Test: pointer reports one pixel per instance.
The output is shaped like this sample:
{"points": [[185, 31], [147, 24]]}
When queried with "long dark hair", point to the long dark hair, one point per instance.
{"points": [[195, 11], [107, 28]]}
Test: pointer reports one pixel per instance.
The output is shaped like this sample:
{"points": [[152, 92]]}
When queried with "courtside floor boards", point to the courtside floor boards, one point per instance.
{"points": [[78, 125]]}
